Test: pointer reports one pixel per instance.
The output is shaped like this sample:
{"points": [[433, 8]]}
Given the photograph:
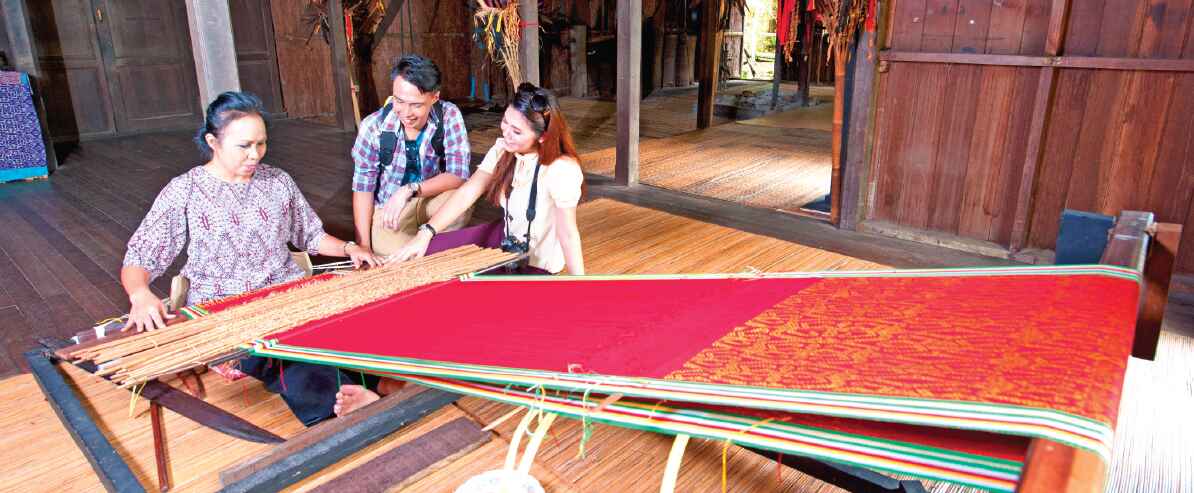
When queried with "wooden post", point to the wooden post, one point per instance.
{"points": [[213, 48], [778, 75], [1158, 271], [528, 42], [1039, 124], [858, 128], [710, 55], [630, 46], [159, 446], [340, 69], [839, 117], [804, 58], [23, 51], [1055, 468], [580, 60]]}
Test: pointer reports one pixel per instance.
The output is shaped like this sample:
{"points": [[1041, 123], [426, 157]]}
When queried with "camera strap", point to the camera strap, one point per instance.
{"points": [[532, 199]]}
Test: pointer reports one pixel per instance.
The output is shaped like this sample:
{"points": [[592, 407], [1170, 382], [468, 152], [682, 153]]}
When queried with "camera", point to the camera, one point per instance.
{"points": [[511, 244]]}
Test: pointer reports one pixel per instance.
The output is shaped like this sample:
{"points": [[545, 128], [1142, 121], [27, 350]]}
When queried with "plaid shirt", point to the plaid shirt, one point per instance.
{"points": [[367, 148]]}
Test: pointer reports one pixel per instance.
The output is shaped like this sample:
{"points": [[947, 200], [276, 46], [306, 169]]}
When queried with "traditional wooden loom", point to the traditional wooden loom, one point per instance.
{"points": [[946, 374]]}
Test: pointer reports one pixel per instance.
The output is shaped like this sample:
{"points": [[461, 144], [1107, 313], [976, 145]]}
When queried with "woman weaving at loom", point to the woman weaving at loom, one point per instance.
{"points": [[235, 215], [535, 157]]}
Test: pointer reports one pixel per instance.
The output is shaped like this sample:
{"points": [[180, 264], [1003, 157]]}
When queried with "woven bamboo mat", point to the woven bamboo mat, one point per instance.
{"points": [[759, 166]]}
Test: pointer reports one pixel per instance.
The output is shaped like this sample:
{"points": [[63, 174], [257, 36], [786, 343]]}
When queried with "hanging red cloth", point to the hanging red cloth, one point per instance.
{"points": [[871, 7], [783, 22]]}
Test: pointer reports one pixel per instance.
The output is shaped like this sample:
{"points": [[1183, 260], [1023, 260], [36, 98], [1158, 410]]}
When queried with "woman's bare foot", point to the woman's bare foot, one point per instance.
{"points": [[353, 397], [388, 386]]}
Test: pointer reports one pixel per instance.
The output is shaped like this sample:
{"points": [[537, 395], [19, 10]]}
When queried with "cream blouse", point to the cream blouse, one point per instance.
{"points": [[559, 188]]}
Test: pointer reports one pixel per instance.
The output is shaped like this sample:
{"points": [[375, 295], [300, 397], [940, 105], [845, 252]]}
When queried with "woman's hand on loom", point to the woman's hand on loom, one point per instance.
{"points": [[361, 255], [417, 247], [147, 312]]}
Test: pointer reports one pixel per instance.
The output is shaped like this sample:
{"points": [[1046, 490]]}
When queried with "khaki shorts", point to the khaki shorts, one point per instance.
{"points": [[418, 211]]}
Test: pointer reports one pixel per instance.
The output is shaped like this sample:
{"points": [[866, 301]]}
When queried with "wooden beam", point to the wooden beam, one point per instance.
{"points": [[333, 440], [392, 9], [837, 138], [405, 463], [630, 46], [1042, 109], [777, 74], [1059, 20], [1129, 245], [213, 48], [1158, 271], [963, 58], [710, 64], [528, 41], [1055, 468], [22, 50], [341, 84], [159, 446], [578, 49], [859, 124], [1107, 63], [112, 470]]}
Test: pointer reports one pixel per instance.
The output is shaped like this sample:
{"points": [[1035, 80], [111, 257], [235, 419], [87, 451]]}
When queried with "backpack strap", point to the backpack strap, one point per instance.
{"points": [[437, 140], [387, 143]]}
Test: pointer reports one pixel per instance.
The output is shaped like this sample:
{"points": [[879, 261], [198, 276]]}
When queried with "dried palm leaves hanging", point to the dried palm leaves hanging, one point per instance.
{"points": [[842, 18], [499, 27]]}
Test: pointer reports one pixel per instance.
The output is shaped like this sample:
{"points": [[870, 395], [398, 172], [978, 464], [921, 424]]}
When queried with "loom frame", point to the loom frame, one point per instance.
{"points": [[1136, 242]]}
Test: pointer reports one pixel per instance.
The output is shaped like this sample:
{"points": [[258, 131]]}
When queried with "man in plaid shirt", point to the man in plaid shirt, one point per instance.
{"points": [[390, 203]]}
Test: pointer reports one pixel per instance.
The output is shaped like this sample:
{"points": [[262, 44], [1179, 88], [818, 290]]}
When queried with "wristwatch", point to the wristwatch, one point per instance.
{"points": [[348, 244], [430, 229]]}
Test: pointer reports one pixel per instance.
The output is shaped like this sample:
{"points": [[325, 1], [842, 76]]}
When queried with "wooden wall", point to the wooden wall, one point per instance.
{"points": [[974, 103], [438, 29], [304, 68], [4, 47]]}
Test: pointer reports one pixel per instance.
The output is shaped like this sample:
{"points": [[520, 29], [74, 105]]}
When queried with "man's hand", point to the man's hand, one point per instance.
{"points": [[393, 208]]}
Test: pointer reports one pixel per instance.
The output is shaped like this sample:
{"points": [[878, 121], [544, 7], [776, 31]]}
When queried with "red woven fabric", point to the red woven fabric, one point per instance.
{"points": [[644, 328], [1053, 342], [231, 301]]}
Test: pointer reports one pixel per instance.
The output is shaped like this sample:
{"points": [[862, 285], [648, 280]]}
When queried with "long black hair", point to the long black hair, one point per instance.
{"points": [[227, 108]]}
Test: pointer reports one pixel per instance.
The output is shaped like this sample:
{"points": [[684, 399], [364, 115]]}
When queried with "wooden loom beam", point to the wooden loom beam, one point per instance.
{"points": [[333, 440], [113, 472], [1052, 467]]}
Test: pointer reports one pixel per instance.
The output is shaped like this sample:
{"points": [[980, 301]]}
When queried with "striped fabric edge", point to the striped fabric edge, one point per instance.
{"points": [[888, 455], [1033, 270], [1055, 425]]}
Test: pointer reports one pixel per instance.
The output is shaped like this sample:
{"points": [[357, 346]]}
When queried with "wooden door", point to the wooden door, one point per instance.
{"points": [[75, 85], [256, 58], [147, 53]]}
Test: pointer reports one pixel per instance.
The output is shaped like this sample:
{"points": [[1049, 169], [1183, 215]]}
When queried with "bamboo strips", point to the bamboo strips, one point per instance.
{"points": [[137, 359]]}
